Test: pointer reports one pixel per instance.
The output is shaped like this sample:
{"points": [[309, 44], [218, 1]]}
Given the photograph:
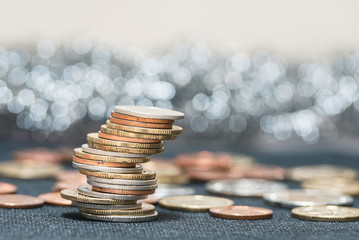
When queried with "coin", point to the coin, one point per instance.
{"points": [[136, 205], [93, 138], [126, 139], [28, 170], [137, 169], [19, 201], [120, 133], [85, 148], [241, 212], [209, 175], [6, 188], [145, 175], [55, 198], [204, 160], [150, 200], [299, 197], [139, 119], [123, 181], [78, 152], [87, 190], [123, 192], [194, 203], [341, 185], [244, 187], [126, 150], [61, 185], [75, 196], [320, 171], [166, 190], [167, 172], [122, 187], [69, 176], [175, 130], [239, 159], [268, 172], [145, 209], [140, 124], [116, 218], [326, 213], [149, 112], [38, 155], [103, 163]]}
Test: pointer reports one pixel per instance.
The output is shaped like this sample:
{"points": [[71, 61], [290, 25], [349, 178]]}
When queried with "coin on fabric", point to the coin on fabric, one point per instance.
{"points": [[116, 218], [28, 169], [175, 130], [241, 212], [120, 133], [136, 205], [144, 175], [126, 150], [87, 149], [20, 201], [321, 171], [87, 190], [300, 197], [54, 198], [149, 112], [6, 188], [139, 119], [194, 203], [145, 209], [341, 185], [326, 213], [136, 169]]}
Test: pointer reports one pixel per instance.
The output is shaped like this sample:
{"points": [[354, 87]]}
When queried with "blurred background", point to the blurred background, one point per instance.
{"points": [[257, 73]]}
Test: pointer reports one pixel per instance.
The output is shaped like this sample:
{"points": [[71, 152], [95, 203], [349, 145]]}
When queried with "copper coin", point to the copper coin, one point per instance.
{"points": [[205, 161], [265, 172], [123, 192], [151, 199], [55, 198], [70, 175], [126, 139], [6, 188], [20, 201], [61, 185], [139, 119], [102, 163], [38, 155], [241, 212], [141, 124], [209, 175]]}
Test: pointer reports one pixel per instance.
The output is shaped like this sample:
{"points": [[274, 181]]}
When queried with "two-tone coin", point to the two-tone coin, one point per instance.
{"points": [[88, 191], [326, 213], [116, 218]]}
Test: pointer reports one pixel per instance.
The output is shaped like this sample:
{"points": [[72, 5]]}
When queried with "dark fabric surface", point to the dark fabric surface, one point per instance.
{"points": [[51, 222]]}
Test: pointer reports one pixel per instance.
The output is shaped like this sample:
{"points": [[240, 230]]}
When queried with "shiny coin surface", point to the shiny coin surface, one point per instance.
{"points": [[123, 192], [122, 187], [137, 169], [75, 196], [140, 124], [106, 206], [341, 185], [297, 198], [121, 133], [144, 175], [87, 190], [6, 188], [175, 130], [194, 203], [87, 149], [20, 201], [320, 171], [95, 157], [241, 212], [145, 209], [139, 119], [55, 198], [326, 213], [116, 218], [149, 112], [244, 187], [123, 181], [103, 163], [166, 190], [126, 139], [28, 170], [126, 150]]}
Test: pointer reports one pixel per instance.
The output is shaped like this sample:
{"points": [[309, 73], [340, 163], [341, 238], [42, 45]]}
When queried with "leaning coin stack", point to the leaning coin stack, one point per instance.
{"points": [[112, 163]]}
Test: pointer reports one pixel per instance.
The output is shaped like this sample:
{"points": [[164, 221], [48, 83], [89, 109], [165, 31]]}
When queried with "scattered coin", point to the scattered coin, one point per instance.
{"points": [[320, 171], [28, 169], [116, 218], [136, 169], [149, 112], [140, 124], [6, 188], [145, 209], [326, 213], [20, 201], [139, 119], [55, 198], [69, 176], [126, 139], [87, 190], [241, 212], [136, 205], [341, 185]]}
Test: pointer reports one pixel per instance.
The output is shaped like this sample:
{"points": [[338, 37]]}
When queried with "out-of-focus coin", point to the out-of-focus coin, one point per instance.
{"points": [[126, 139], [121, 133], [204, 161], [122, 187], [103, 163], [299, 197], [194, 203], [136, 205], [116, 218], [123, 181], [126, 150], [321, 171], [175, 130], [326, 213], [55, 198], [20, 201], [209, 175], [244, 187], [149, 112], [87, 149], [341, 185], [65, 184], [167, 172], [87, 190], [145, 209], [152, 199], [79, 153], [240, 160], [6, 188], [241, 212], [69, 176], [38, 155], [140, 124], [166, 190], [139, 119], [123, 192], [28, 170], [144, 175], [136, 169], [268, 172], [75, 196]]}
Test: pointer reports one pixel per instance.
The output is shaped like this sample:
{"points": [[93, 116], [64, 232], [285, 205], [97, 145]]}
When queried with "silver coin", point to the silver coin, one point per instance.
{"points": [[302, 198], [122, 187], [106, 207], [116, 218], [167, 190], [86, 148], [149, 112], [123, 181], [137, 169], [87, 190], [244, 187]]}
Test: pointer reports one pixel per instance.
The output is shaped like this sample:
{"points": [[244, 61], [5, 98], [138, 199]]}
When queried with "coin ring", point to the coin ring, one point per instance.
{"points": [[126, 150], [145, 209], [175, 130]]}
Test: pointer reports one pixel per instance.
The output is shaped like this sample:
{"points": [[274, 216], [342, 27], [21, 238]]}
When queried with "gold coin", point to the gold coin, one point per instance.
{"points": [[144, 210], [125, 150], [29, 169], [320, 171], [94, 138], [145, 175], [79, 153], [341, 185], [174, 131], [194, 203], [327, 213], [120, 133]]}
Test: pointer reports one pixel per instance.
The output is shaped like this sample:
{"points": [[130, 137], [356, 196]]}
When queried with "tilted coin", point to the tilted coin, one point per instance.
{"points": [[145, 209], [6, 188], [122, 187], [241, 212], [175, 130], [126, 150], [94, 138], [20, 201], [299, 197], [136, 205], [28, 170], [326, 213], [123, 192], [121, 133], [116, 218], [75, 196], [87, 149], [166, 190], [54, 198], [137, 169], [103, 163], [244, 187], [144, 175], [139, 119], [87, 190], [123, 181], [140, 124], [126, 139], [194, 203], [341, 185], [321, 171], [149, 112]]}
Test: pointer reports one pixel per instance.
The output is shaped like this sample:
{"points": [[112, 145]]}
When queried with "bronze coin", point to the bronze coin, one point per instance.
{"points": [[141, 124], [209, 175], [61, 185], [205, 161], [38, 155], [69, 175], [123, 192], [6, 188], [20, 201], [268, 172], [241, 212], [125, 149], [126, 139], [103, 163], [55, 198], [151, 199], [139, 119]]}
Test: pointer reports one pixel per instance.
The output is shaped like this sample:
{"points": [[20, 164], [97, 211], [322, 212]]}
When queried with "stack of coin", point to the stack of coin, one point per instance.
{"points": [[112, 163]]}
